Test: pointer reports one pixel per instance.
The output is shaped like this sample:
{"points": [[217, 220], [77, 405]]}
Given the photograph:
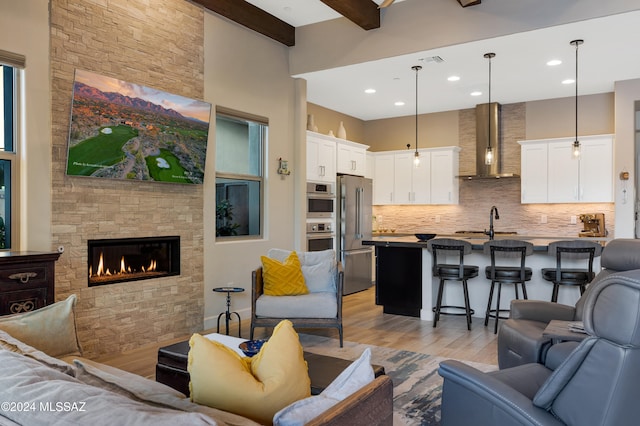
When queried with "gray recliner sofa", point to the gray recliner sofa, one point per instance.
{"points": [[520, 339], [597, 384]]}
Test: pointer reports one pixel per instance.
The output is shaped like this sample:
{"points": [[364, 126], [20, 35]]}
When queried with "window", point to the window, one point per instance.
{"points": [[240, 147], [8, 126]]}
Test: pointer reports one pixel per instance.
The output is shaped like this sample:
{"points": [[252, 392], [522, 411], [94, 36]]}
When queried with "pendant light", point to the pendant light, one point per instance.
{"points": [[489, 155], [416, 155], [576, 143]]}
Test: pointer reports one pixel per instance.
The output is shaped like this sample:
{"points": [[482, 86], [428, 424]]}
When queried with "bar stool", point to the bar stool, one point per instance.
{"points": [[452, 272], [506, 274], [579, 250]]}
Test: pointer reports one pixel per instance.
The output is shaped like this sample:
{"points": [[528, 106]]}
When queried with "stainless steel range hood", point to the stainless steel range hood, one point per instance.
{"points": [[484, 113]]}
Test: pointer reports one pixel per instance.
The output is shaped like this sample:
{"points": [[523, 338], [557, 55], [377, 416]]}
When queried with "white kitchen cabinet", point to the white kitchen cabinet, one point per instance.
{"points": [[397, 181], [444, 181], [321, 158], [596, 170], [352, 158], [563, 172], [371, 165], [533, 172], [555, 176], [411, 184], [383, 178]]}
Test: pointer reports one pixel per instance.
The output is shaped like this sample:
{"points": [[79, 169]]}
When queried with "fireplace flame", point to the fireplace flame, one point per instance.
{"points": [[124, 269]]}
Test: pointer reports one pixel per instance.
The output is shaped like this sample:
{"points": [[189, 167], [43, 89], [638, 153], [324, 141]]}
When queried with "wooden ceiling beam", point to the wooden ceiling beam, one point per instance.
{"points": [[252, 17], [365, 13]]}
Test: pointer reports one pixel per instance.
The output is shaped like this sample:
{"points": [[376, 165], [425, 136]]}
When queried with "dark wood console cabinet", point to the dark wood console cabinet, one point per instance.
{"points": [[27, 280]]}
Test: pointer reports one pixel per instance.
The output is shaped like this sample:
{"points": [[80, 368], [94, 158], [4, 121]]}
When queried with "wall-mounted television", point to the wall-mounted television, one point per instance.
{"points": [[121, 130]]}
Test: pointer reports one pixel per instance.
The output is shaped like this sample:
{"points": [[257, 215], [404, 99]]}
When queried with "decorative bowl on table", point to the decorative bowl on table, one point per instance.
{"points": [[251, 347], [425, 237]]}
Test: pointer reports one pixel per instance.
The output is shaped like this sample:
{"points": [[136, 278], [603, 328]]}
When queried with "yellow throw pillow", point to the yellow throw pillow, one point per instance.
{"points": [[256, 387], [283, 279], [51, 329]]}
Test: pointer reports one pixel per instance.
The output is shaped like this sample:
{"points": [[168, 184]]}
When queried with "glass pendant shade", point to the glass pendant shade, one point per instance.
{"points": [[488, 156], [416, 159], [575, 152]]}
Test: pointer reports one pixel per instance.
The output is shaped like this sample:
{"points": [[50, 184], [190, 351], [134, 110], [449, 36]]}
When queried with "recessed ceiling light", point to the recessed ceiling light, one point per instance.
{"points": [[568, 81], [453, 78], [476, 93], [370, 91], [399, 103], [554, 62]]}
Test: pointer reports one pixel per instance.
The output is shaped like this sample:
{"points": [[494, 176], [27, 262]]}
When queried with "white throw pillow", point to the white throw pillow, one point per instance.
{"points": [[318, 268], [352, 379]]}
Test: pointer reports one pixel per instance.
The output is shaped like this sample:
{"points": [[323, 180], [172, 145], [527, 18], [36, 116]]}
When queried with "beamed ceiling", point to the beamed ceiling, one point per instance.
{"points": [[364, 13]]}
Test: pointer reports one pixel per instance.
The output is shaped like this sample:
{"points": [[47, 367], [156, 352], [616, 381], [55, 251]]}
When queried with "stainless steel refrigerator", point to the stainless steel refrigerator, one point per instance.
{"points": [[354, 225]]}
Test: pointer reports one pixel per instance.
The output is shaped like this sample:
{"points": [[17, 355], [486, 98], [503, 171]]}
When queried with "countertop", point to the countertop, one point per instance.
{"points": [[540, 243]]}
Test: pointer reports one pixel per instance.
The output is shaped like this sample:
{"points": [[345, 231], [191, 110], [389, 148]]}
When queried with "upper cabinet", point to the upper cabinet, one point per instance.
{"points": [[411, 183], [352, 158], [433, 181], [321, 158], [550, 174], [444, 172], [383, 178], [328, 156]]}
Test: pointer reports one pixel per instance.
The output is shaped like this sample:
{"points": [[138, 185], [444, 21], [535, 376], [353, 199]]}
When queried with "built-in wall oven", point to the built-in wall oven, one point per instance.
{"points": [[320, 236], [321, 200]]}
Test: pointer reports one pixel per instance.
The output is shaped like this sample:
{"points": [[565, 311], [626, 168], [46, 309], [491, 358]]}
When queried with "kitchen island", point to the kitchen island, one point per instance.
{"points": [[405, 285]]}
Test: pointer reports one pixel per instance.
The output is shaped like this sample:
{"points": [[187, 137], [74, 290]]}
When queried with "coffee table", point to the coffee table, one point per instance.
{"points": [[171, 368]]}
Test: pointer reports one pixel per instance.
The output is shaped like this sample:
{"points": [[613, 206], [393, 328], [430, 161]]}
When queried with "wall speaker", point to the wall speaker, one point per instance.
{"points": [[465, 3]]}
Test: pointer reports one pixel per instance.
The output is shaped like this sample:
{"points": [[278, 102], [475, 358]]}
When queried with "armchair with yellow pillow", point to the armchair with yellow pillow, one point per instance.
{"points": [[303, 287]]}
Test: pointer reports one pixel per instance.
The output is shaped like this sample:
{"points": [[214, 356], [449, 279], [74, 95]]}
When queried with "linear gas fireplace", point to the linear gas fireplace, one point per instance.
{"points": [[130, 259]]}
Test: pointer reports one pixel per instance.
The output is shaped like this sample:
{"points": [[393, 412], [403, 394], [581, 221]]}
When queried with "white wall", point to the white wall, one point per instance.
{"points": [[247, 72], [627, 93], [24, 29]]}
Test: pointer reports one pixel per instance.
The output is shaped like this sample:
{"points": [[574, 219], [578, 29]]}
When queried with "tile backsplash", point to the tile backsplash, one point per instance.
{"points": [[476, 199]]}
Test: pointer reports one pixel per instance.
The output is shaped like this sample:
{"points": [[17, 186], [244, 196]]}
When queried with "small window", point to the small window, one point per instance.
{"points": [[8, 126], [240, 150]]}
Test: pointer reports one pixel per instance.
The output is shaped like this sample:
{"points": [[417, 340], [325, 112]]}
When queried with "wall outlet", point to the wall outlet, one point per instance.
{"points": [[573, 220], [543, 218], [437, 218]]}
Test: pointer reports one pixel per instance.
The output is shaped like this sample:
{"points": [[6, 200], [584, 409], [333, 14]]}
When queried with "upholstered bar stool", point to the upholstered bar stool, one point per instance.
{"points": [[513, 273], [578, 250], [452, 272]]}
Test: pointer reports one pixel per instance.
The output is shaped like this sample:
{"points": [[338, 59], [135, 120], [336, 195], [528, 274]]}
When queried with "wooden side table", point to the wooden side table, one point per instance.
{"points": [[27, 281], [228, 314]]}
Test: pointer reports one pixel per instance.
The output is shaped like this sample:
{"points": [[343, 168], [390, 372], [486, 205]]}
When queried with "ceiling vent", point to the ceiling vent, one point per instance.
{"points": [[436, 59]]}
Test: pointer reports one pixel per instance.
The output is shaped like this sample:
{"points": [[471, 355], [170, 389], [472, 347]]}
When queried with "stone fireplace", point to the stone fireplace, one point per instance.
{"points": [[118, 260]]}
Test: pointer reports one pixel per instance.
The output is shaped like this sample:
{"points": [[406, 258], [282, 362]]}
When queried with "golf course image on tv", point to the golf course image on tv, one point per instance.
{"points": [[122, 130]]}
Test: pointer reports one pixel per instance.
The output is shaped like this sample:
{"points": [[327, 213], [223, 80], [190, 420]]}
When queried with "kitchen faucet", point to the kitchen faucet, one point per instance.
{"points": [[491, 233]]}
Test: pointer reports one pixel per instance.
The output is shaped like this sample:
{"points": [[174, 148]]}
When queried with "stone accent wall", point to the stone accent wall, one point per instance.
{"points": [[477, 196], [159, 44]]}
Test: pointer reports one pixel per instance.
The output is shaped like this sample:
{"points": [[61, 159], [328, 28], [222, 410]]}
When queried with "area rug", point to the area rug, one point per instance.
{"points": [[416, 384]]}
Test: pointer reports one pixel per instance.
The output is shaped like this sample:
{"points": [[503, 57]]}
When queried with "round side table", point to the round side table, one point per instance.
{"points": [[227, 314]]}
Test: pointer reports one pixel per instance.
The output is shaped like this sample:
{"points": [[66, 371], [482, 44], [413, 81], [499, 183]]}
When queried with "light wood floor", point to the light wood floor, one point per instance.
{"points": [[364, 322]]}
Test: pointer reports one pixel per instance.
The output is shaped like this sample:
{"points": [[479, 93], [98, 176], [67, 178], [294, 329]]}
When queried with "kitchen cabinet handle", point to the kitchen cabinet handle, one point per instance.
{"points": [[23, 277]]}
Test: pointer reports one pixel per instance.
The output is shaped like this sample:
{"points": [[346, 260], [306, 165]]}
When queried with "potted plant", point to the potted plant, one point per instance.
{"points": [[224, 217]]}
